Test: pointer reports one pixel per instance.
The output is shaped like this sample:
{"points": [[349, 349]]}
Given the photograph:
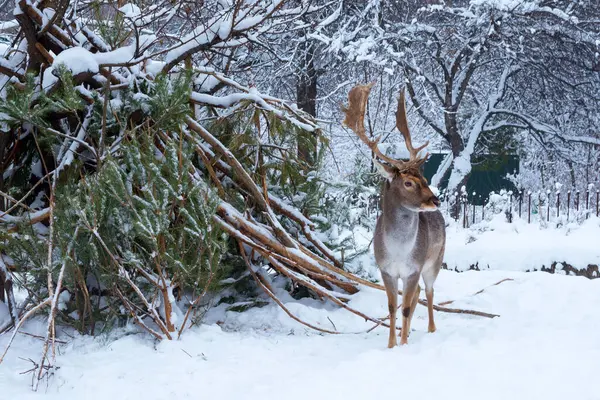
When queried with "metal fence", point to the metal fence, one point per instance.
{"points": [[563, 206]]}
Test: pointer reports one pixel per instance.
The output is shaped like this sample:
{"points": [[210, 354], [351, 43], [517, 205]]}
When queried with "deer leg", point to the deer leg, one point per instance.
{"points": [[391, 288], [413, 305], [429, 294], [429, 277], [410, 290]]}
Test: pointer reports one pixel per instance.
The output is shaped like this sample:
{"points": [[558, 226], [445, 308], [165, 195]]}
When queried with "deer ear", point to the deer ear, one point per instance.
{"points": [[385, 171]]}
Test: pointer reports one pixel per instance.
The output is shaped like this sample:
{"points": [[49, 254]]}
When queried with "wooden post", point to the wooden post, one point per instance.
{"points": [[557, 204], [577, 201], [520, 201]]}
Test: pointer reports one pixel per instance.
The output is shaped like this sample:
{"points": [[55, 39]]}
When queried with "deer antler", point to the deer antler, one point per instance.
{"points": [[355, 120], [402, 125]]}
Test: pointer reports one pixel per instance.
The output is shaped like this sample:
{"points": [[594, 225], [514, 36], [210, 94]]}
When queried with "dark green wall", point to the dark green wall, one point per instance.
{"points": [[488, 173]]}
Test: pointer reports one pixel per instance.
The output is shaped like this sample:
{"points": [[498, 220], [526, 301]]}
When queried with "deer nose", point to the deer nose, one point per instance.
{"points": [[435, 201]]}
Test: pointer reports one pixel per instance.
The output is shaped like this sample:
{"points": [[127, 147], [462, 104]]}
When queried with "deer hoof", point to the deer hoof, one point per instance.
{"points": [[392, 343], [403, 341], [431, 329]]}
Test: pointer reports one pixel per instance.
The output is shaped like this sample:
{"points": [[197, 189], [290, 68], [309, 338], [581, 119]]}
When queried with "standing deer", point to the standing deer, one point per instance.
{"points": [[410, 236]]}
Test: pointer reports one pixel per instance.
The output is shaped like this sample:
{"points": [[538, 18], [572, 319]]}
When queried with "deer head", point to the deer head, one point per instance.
{"points": [[405, 182]]}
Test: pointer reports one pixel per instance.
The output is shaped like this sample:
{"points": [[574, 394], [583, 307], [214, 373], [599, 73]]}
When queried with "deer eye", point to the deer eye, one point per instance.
{"points": [[408, 184]]}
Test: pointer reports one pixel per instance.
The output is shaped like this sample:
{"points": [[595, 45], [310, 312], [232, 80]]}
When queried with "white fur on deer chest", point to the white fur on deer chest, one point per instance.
{"points": [[399, 260]]}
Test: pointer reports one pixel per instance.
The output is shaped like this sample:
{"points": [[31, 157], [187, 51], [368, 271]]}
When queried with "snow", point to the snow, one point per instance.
{"points": [[154, 67], [206, 82], [263, 354], [48, 78], [6, 25], [522, 246], [77, 60], [131, 10], [253, 96], [121, 55], [200, 36]]}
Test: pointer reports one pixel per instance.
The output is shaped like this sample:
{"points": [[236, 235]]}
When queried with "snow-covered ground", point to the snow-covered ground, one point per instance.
{"points": [[499, 245], [520, 246], [544, 345]]}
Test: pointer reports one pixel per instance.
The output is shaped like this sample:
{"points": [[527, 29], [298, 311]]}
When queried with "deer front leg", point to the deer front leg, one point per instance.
{"points": [[413, 305], [391, 288], [410, 290]]}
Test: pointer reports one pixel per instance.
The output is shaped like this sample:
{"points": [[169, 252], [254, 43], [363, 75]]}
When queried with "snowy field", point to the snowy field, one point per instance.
{"points": [[544, 345]]}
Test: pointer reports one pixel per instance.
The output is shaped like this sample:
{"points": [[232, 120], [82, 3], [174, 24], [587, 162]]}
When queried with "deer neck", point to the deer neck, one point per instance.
{"points": [[399, 223]]}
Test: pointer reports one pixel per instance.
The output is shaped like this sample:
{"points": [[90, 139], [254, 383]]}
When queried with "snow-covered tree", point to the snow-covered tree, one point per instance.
{"points": [[478, 71]]}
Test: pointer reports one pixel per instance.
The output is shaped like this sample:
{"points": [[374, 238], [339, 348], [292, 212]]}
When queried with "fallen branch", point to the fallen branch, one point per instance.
{"points": [[274, 298], [445, 303], [25, 317], [51, 330]]}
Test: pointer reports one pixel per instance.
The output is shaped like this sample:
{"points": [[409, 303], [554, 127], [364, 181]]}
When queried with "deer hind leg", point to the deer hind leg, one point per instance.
{"points": [[429, 277], [429, 293], [391, 288], [411, 284]]}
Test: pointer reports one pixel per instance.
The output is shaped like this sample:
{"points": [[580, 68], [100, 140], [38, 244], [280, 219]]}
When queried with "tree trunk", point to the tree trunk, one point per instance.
{"points": [[306, 98], [457, 145]]}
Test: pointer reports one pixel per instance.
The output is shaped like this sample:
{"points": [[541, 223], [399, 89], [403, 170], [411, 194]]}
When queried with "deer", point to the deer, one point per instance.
{"points": [[410, 234]]}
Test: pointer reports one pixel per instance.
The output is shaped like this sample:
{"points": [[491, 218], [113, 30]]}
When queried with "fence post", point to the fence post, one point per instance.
{"points": [[529, 208], [557, 204], [510, 206], [568, 204], [587, 202], [465, 206], [474, 194], [577, 201], [520, 201], [457, 202]]}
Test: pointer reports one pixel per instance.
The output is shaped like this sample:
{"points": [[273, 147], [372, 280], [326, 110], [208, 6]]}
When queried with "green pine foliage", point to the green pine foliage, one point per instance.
{"points": [[136, 214], [267, 146], [351, 206], [141, 214]]}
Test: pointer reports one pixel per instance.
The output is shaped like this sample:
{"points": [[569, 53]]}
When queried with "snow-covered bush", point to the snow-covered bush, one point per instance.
{"points": [[349, 210], [140, 223]]}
